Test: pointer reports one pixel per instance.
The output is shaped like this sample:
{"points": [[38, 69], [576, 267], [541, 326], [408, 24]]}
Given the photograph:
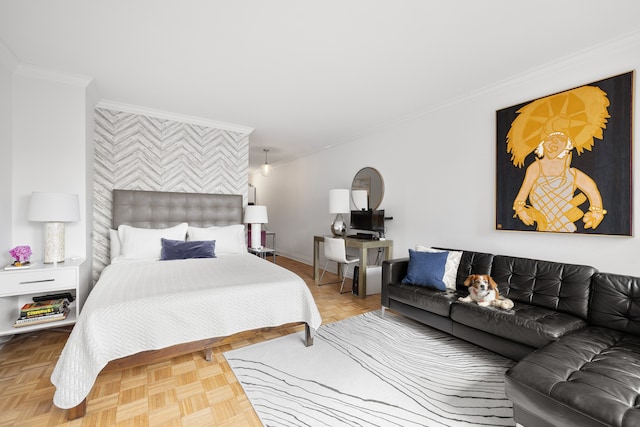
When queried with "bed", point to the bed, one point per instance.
{"points": [[142, 309]]}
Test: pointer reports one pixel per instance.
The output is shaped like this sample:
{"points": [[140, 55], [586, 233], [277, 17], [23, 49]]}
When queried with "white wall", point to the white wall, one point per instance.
{"points": [[50, 143], [439, 173], [7, 65]]}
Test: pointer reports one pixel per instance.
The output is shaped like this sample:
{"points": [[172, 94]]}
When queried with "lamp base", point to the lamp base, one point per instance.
{"points": [[256, 236], [53, 242], [338, 226]]}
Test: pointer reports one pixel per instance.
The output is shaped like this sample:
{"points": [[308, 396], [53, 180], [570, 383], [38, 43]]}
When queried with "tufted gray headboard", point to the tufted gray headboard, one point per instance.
{"points": [[160, 209]]}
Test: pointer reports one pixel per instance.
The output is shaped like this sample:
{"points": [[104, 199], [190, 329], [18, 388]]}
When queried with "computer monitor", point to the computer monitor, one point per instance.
{"points": [[368, 220]]}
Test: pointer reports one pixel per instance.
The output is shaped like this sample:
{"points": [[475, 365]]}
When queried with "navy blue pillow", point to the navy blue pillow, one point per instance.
{"points": [[426, 269], [179, 249]]}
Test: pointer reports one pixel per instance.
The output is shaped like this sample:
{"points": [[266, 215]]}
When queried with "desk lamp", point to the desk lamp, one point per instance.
{"points": [[360, 199], [338, 204]]}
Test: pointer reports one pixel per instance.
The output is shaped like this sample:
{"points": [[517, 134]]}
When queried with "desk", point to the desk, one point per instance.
{"points": [[363, 246]]}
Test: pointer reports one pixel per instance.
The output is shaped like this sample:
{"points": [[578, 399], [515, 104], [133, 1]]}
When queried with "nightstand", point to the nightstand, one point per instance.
{"points": [[18, 287], [263, 252]]}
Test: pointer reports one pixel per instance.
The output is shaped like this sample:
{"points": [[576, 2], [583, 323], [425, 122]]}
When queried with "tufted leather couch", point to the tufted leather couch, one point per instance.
{"points": [[574, 331]]}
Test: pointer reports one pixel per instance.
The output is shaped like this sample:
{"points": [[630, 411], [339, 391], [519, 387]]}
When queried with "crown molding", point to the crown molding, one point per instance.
{"points": [[183, 118], [51, 75]]}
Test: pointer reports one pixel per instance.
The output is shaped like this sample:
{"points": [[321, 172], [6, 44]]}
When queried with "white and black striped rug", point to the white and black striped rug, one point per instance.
{"points": [[371, 370]]}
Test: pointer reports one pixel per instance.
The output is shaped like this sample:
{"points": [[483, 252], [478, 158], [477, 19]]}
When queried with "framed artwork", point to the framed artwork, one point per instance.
{"points": [[564, 161]]}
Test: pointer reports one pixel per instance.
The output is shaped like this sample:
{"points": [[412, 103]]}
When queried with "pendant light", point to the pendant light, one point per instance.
{"points": [[266, 169]]}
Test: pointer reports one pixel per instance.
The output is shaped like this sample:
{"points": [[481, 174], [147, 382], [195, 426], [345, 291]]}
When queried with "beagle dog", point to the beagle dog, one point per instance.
{"points": [[484, 291]]}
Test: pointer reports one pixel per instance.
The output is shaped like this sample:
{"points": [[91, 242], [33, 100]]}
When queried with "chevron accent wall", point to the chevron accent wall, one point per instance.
{"points": [[139, 152]]}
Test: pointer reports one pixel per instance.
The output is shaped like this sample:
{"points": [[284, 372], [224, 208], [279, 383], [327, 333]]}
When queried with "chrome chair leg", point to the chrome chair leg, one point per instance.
{"points": [[344, 277], [322, 275]]}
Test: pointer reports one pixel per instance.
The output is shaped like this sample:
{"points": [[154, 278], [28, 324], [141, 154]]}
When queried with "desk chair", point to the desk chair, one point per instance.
{"points": [[335, 249]]}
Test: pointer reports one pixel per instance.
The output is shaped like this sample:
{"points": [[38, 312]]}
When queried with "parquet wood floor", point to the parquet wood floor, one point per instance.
{"points": [[183, 391]]}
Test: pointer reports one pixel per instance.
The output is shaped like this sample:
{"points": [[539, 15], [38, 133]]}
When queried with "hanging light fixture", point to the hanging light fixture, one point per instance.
{"points": [[266, 168]]}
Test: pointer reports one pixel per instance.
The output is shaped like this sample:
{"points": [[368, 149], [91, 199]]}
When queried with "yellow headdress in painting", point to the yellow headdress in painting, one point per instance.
{"points": [[581, 114]]}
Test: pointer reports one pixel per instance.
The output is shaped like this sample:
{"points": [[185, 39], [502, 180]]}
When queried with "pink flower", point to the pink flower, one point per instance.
{"points": [[21, 253]]}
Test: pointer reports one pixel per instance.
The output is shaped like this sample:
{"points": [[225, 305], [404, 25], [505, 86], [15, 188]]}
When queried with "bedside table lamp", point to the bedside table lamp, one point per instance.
{"points": [[54, 209], [256, 215], [338, 204]]}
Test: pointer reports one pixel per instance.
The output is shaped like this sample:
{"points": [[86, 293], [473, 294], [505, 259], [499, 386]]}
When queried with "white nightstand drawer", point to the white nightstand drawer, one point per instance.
{"points": [[12, 282]]}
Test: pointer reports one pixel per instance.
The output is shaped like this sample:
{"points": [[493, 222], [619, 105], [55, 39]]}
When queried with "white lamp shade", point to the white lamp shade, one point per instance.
{"points": [[256, 214], [54, 207], [360, 199], [339, 201]]}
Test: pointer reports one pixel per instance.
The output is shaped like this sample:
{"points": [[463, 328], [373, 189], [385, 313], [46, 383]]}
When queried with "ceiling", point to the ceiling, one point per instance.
{"points": [[305, 75]]}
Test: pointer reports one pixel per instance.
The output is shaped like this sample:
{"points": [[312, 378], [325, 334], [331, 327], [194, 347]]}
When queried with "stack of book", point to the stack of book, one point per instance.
{"points": [[51, 310]]}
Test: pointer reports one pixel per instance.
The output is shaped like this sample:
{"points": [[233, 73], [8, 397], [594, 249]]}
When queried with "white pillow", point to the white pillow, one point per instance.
{"points": [[145, 243], [450, 268], [229, 239], [115, 243]]}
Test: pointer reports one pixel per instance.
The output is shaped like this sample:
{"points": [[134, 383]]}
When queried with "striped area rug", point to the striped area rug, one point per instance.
{"points": [[371, 370]]}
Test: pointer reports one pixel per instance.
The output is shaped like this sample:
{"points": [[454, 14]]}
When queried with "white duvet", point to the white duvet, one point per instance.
{"points": [[148, 305]]}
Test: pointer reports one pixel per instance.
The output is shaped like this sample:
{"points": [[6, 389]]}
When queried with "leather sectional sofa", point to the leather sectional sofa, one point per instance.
{"points": [[574, 331]]}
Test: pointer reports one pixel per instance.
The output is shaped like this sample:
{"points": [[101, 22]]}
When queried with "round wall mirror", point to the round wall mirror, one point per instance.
{"points": [[367, 189]]}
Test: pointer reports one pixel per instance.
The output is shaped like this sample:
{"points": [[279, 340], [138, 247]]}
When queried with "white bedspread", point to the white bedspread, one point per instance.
{"points": [[149, 305]]}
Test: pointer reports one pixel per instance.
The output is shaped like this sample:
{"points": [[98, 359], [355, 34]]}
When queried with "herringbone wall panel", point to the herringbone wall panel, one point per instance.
{"points": [[138, 152]]}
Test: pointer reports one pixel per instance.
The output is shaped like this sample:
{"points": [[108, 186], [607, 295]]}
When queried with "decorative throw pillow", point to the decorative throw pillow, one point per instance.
{"points": [[179, 249], [144, 243], [426, 269], [229, 239], [451, 267]]}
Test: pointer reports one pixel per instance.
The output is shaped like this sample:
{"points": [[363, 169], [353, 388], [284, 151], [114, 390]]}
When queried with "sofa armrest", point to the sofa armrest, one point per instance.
{"points": [[393, 271]]}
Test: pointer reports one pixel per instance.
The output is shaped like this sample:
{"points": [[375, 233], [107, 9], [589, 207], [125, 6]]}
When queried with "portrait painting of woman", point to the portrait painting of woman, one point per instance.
{"points": [[564, 161]]}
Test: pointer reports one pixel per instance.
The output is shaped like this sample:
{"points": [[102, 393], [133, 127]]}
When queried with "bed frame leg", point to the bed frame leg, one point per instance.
{"points": [[308, 336], [77, 411], [208, 354]]}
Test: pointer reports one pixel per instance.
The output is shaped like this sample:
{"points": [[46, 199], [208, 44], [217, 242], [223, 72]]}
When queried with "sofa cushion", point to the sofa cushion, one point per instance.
{"points": [[428, 299], [472, 263], [590, 375], [614, 302], [556, 286], [526, 324]]}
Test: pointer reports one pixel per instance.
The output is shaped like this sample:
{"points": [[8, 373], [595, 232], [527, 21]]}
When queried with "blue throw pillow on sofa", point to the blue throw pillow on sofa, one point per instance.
{"points": [[426, 269], [179, 249]]}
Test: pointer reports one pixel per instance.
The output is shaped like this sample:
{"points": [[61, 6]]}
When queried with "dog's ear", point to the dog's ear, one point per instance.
{"points": [[492, 282], [469, 279]]}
